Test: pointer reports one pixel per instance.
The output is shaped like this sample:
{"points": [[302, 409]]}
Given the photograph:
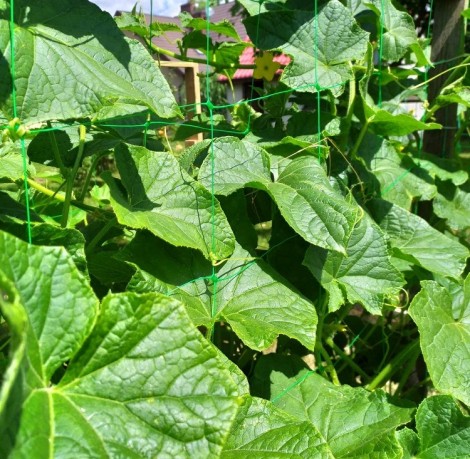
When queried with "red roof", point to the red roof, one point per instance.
{"points": [[248, 58]]}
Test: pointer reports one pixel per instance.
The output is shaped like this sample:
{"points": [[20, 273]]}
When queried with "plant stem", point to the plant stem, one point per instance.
{"points": [[343, 137], [53, 194], [59, 197], [360, 138], [180, 57], [391, 368], [210, 331], [318, 344], [330, 367], [246, 356], [5, 344], [100, 235], [91, 169], [430, 112], [56, 152], [346, 358], [462, 129], [451, 69], [410, 366], [71, 177]]}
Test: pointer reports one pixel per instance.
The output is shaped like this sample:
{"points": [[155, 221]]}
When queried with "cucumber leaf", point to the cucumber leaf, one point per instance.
{"points": [[352, 421], [253, 298], [442, 168], [322, 46], [413, 239], [443, 430], [142, 382], [444, 337], [73, 62], [162, 198], [52, 269], [263, 431], [453, 204], [400, 32], [390, 176], [302, 191], [364, 276], [387, 124]]}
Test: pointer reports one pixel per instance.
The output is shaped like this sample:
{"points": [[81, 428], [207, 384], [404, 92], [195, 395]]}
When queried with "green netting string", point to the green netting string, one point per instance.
{"points": [[426, 70], [147, 123], [316, 83], [380, 58], [252, 86], [210, 107], [24, 156]]}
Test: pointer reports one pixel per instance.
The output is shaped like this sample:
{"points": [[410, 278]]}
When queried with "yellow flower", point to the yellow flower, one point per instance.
{"points": [[265, 67]]}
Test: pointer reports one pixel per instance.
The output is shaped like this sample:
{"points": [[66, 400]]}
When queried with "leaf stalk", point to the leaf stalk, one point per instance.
{"points": [[72, 175]]}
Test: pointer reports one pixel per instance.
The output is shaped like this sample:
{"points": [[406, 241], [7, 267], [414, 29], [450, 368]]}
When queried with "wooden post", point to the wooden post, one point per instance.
{"points": [[193, 91], [447, 43]]}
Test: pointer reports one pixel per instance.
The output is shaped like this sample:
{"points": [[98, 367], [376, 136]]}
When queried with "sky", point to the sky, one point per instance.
{"points": [[161, 7]]}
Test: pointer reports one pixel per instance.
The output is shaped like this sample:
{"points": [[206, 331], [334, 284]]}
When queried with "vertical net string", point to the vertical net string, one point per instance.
{"points": [[24, 156], [317, 84], [381, 35], [210, 107], [426, 71]]}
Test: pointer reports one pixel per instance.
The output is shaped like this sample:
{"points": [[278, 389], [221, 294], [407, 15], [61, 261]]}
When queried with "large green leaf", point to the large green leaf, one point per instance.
{"points": [[390, 178], [262, 431], [444, 337], [459, 290], [322, 46], [387, 124], [44, 234], [409, 442], [453, 204], [443, 430], [442, 168], [233, 164], [255, 300], [164, 199], [455, 93], [310, 204], [72, 61], [302, 190], [400, 31], [364, 276], [144, 384], [59, 301], [353, 422], [415, 240]]}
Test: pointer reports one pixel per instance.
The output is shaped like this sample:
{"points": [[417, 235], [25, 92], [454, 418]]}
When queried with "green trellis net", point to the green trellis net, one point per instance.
{"points": [[316, 86]]}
